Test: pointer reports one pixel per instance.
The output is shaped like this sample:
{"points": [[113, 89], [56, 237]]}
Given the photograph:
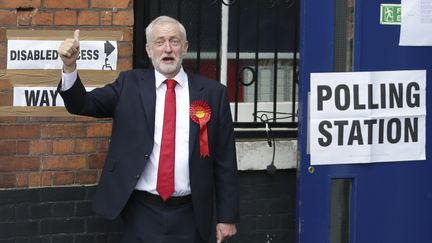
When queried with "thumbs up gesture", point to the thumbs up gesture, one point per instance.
{"points": [[68, 51]]}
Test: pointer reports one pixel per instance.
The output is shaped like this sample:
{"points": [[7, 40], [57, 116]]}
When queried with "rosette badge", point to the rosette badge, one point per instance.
{"points": [[200, 113]]}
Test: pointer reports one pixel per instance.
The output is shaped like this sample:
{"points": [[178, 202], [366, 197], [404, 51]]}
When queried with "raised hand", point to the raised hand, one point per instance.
{"points": [[69, 50]]}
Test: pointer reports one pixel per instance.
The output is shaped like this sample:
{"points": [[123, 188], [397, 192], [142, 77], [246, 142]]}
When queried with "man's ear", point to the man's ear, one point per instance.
{"points": [[185, 48], [186, 45]]}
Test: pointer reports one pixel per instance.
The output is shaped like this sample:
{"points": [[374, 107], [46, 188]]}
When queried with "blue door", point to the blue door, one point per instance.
{"points": [[360, 203]]}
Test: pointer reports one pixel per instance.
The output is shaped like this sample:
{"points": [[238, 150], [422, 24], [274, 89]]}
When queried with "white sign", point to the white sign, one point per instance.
{"points": [[38, 96], [363, 117], [43, 54], [416, 24]]}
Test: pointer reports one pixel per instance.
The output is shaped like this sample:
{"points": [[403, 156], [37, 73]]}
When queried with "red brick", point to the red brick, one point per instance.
{"points": [[86, 177], [7, 180], [123, 18], [96, 161], [23, 147], [65, 146], [103, 145], [62, 119], [18, 163], [43, 18], [20, 3], [66, 17], [8, 120], [24, 17], [3, 53], [40, 119], [125, 49], [63, 130], [127, 34], [85, 146], [6, 98], [106, 18], [19, 131], [8, 147], [110, 3], [88, 18], [84, 118], [66, 4], [3, 36], [8, 17], [124, 64], [46, 178], [35, 180], [22, 180], [99, 130], [5, 84], [70, 162], [3, 63], [63, 178], [41, 147]]}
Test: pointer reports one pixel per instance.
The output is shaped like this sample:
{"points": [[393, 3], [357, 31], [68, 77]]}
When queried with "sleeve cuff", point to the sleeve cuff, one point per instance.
{"points": [[68, 80]]}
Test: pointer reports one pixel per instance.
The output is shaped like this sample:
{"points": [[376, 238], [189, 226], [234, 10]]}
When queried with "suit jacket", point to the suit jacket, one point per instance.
{"points": [[130, 101]]}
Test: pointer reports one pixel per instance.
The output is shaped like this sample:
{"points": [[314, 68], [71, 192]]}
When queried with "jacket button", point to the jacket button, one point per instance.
{"points": [[138, 176], [146, 157]]}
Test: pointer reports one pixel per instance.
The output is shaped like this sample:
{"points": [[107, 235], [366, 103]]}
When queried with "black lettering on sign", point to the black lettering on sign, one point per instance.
{"points": [[379, 96], [369, 124], [41, 97], [96, 54], [396, 95], [356, 97], [393, 131], [355, 133], [13, 55], [340, 125], [338, 100], [88, 55], [321, 97], [30, 55], [32, 97], [413, 98], [328, 137], [411, 131], [371, 104]]}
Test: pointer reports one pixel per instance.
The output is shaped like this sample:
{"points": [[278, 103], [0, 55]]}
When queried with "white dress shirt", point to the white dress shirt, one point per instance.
{"points": [[148, 179]]}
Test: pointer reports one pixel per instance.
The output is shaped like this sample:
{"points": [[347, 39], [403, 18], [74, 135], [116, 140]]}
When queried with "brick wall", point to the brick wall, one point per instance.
{"points": [[63, 214], [66, 151]]}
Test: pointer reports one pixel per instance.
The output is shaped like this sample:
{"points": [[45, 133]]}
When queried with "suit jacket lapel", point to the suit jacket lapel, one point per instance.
{"points": [[195, 93], [147, 92]]}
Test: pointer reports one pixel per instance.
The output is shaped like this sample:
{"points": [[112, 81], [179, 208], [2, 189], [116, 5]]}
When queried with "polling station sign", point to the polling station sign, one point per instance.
{"points": [[43, 54], [364, 117]]}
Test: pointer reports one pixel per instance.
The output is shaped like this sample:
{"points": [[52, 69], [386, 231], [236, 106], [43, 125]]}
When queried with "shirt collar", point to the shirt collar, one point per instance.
{"points": [[181, 78]]}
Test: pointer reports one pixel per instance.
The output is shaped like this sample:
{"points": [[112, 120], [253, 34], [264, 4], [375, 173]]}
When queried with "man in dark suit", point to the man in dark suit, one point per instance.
{"points": [[171, 159]]}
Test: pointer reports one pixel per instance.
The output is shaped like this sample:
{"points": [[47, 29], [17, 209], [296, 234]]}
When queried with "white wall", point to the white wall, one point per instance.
{"points": [[257, 155]]}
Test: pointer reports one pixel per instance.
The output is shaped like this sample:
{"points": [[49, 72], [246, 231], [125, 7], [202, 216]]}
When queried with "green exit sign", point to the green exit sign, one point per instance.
{"points": [[390, 14]]}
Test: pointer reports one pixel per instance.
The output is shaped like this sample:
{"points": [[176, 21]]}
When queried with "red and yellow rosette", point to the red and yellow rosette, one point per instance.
{"points": [[200, 113]]}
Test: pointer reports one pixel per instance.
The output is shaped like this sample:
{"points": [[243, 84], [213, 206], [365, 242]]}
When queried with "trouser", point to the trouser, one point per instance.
{"points": [[148, 219]]}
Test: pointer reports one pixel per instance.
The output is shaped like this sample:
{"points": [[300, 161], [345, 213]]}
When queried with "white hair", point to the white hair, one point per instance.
{"points": [[162, 20]]}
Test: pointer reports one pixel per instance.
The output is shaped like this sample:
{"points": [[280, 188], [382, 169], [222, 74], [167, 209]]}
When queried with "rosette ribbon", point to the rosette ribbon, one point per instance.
{"points": [[200, 113]]}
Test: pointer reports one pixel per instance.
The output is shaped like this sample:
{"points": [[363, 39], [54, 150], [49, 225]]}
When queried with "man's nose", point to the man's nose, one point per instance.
{"points": [[167, 46]]}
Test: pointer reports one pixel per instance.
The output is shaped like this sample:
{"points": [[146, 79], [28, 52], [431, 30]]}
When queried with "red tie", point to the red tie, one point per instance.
{"points": [[165, 179]]}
